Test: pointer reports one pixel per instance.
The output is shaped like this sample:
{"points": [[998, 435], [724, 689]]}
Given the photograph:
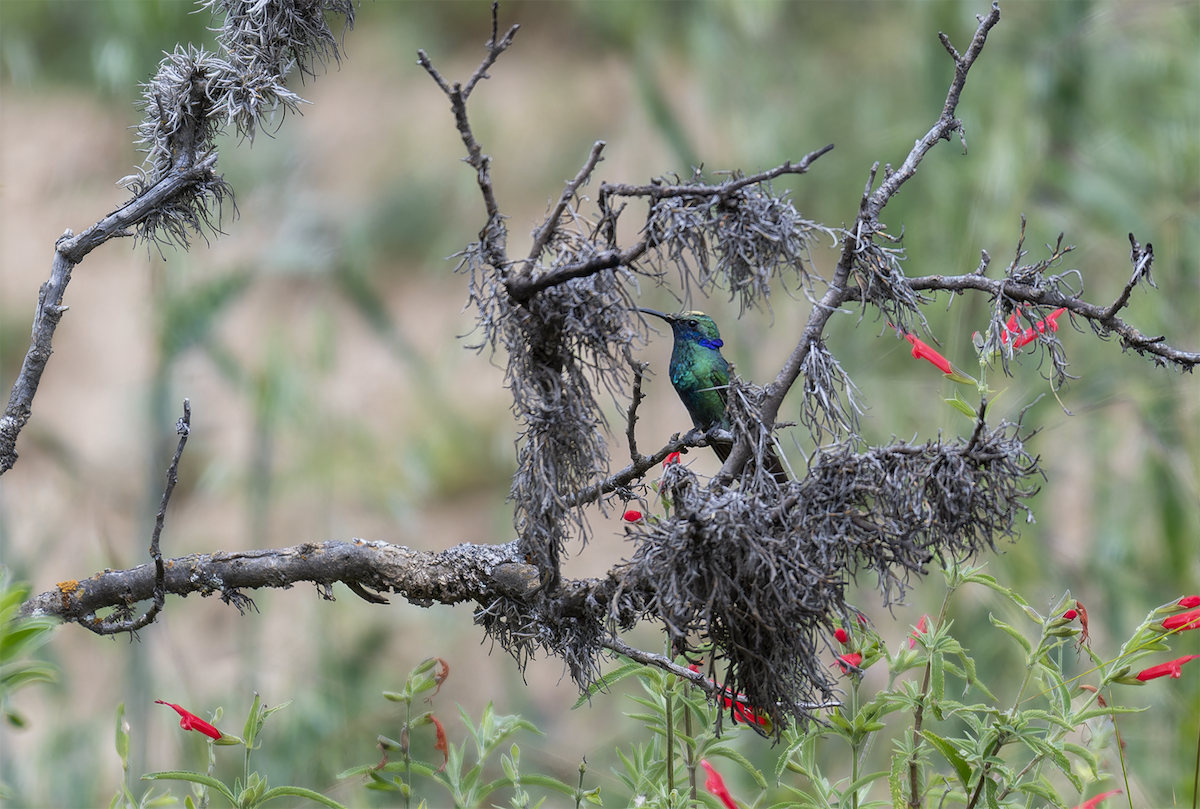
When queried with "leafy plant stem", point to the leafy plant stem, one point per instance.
{"points": [[1195, 773], [406, 790], [914, 768], [953, 581], [668, 695], [985, 770], [858, 740], [689, 751]]}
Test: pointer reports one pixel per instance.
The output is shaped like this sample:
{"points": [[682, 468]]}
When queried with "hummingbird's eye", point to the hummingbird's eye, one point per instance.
{"points": [[693, 323]]}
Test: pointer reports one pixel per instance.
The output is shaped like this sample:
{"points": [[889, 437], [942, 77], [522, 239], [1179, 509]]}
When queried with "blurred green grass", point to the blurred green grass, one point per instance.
{"points": [[361, 415]]}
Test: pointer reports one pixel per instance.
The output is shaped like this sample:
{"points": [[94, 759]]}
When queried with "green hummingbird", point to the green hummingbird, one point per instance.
{"points": [[700, 375]]}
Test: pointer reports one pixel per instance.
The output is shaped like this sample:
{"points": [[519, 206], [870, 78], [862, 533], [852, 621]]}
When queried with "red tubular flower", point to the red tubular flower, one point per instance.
{"points": [[847, 660], [741, 711], [1172, 669], [441, 746], [633, 515], [1187, 602], [1092, 803], [716, 785], [841, 636], [672, 458], [190, 721], [1012, 325], [1183, 621], [922, 628], [1027, 336], [922, 351], [1070, 615]]}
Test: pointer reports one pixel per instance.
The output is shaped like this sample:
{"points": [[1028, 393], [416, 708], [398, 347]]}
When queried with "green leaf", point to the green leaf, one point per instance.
{"points": [[193, 777], [990, 582], [1042, 789], [253, 723], [122, 740], [606, 680], [1025, 644], [959, 403], [1092, 713], [896, 781], [937, 678], [548, 782], [736, 757], [1087, 755], [865, 781], [1047, 716], [951, 754], [299, 792]]}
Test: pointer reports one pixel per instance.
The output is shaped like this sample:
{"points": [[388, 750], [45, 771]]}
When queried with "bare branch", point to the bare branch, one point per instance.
{"points": [[637, 469], [493, 235], [522, 290], [494, 49], [462, 573], [858, 239], [70, 250], [722, 191], [666, 664], [541, 236], [946, 124], [631, 417]]}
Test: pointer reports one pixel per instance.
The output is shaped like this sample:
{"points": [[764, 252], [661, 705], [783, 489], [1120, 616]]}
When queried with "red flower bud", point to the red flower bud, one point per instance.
{"points": [[716, 785], [922, 627], [846, 661], [841, 636], [1092, 803], [1172, 669], [1183, 621], [632, 515], [1187, 602], [190, 721], [922, 351], [1070, 615]]}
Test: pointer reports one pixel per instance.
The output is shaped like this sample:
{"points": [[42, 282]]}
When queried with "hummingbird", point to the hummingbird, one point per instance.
{"points": [[700, 375]]}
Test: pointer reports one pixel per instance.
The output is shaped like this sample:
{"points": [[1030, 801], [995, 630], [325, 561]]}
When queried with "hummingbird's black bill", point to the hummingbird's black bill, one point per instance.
{"points": [[657, 313]]}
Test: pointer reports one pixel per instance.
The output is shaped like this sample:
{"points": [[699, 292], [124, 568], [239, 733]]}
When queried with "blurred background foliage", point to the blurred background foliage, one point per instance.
{"points": [[318, 338]]}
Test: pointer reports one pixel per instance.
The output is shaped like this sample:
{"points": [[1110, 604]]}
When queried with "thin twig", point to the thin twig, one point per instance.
{"points": [[1142, 259], [541, 236], [636, 470], [523, 289], [631, 417], [721, 191], [183, 428], [458, 95]]}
